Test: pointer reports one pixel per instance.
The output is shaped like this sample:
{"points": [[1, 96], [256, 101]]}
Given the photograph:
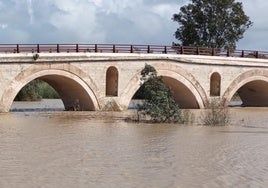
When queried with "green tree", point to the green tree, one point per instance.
{"points": [[211, 23], [36, 90], [29, 92], [159, 103]]}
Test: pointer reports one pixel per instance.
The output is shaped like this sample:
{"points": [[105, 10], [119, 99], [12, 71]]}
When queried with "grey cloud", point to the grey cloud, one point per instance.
{"points": [[103, 21]]}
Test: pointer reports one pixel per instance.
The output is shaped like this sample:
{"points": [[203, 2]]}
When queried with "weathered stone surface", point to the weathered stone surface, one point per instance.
{"points": [[82, 77]]}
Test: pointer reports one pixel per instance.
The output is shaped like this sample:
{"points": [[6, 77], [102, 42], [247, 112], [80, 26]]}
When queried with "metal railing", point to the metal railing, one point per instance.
{"points": [[127, 48]]}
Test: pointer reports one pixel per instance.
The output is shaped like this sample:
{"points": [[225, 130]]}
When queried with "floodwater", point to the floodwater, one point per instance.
{"points": [[89, 149]]}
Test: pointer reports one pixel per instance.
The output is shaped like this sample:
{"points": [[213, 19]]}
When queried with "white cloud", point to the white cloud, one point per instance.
{"points": [[108, 21], [256, 37], [119, 6], [165, 10], [3, 26], [76, 20], [30, 10]]}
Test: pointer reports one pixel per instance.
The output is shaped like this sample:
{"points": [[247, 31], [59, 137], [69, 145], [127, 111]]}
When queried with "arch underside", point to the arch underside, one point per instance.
{"points": [[187, 91], [252, 88], [182, 95], [72, 94], [254, 93], [75, 93]]}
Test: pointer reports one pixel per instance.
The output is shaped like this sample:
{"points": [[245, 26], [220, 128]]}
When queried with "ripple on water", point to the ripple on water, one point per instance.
{"points": [[76, 149]]}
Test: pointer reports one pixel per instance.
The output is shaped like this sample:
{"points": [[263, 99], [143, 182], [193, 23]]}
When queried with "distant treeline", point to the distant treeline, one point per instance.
{"points": [[36, 90]]}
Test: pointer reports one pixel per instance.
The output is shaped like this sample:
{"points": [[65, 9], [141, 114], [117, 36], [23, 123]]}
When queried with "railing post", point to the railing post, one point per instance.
{"points": [[213, 52], [18, 48], [257, 54], [58, 48], [96, 48], [182, 51], [243, 53], [38, 48], [131, 49], [149, 49], [165, 50], [228, 52], [113, 48], [197, 51], [77, 48]]}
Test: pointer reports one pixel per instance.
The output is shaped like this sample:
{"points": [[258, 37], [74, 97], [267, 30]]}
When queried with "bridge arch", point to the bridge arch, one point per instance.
{"points": [[73, 89], [252, 87], [193, 95]]}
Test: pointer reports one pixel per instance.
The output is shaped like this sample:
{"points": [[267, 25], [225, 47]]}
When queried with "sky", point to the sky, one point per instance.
{"points": [[110, 21]]}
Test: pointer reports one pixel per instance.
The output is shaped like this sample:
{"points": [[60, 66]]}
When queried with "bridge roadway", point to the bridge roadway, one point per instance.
{"points": [[103, 81]]}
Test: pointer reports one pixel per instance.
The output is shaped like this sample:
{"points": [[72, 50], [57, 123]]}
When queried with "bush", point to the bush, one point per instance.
{"points": [[35, 57], [159, 103], [215, 115]]}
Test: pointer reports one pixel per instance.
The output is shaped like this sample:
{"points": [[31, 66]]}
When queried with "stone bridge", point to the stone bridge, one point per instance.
{"points": [[97, 80]]}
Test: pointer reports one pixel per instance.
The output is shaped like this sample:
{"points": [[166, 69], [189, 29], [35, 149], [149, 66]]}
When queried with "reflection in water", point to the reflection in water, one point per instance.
{"points": [[84, 149], [42, 105]]}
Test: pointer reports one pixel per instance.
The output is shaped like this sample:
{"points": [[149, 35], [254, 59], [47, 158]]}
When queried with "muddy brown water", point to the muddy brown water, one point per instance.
{"points": [[91, 149]]}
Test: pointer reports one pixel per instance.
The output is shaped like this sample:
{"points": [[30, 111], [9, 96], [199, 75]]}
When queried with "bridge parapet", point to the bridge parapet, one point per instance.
{"points": [[195, 79], [129, 48], [73, 57]]}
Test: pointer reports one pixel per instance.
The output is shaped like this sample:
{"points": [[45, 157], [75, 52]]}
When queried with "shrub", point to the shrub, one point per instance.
{"points": [[159, 103], [215, 115], [35, 57]]}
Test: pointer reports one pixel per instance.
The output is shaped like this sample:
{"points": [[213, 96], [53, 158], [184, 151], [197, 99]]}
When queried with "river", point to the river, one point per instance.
{"points": [[61, 149]]}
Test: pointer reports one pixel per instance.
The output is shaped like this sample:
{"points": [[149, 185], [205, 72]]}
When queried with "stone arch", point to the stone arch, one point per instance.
{"points": [[112, 81], [249, 81], [65, 80], [215, 84], [169, 72]]}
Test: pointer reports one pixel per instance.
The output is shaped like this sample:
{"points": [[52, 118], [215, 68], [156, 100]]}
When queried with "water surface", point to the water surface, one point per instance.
{"points": [[91, 149]]}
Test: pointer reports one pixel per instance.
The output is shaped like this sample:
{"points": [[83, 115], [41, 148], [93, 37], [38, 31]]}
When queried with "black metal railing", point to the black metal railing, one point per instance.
{"points": [[128, 48]]}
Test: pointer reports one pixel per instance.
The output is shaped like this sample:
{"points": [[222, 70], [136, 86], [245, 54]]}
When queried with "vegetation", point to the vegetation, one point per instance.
{"points": [[215, 115], [210, 23], [36, 90], [35, 56], [159, 103]]}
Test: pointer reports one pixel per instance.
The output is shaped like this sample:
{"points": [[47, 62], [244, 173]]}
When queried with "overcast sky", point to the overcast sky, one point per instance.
{"points": [[110, 21]]}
